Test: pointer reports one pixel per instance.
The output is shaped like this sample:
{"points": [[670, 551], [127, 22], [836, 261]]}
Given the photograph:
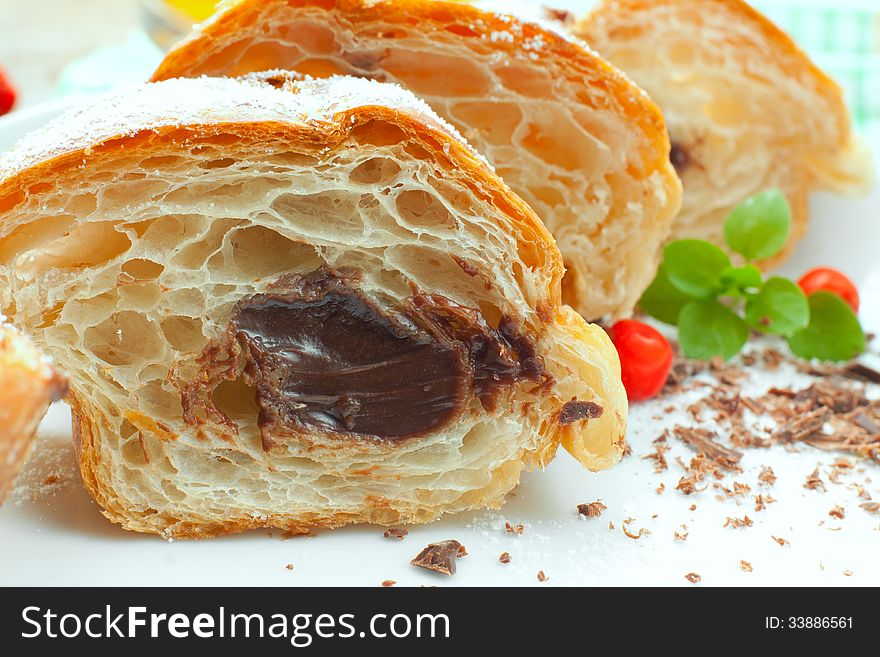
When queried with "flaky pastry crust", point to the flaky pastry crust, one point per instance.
{"points": [[585, 148], [132, 230]]}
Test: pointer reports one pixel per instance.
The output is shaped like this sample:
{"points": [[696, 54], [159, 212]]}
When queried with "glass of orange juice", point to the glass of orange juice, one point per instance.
{"points": [[167, 21]]}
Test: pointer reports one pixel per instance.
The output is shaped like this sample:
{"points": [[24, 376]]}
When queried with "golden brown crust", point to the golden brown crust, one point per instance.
{"points": [[747, 109], [567, 56], [786, 53]]}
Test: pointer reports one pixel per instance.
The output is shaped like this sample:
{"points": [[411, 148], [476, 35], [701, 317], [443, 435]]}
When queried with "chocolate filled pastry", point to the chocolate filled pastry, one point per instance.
{"points": [[28, 384], [747, 110], [582, 145], [295, 307]]}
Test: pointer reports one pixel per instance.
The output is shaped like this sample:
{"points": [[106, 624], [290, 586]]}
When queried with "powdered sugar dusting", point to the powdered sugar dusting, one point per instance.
{"points": [[51, 473], [207, 101]]}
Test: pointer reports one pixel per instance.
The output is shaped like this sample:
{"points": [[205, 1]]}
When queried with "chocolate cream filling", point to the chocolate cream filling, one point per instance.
{"points": [[324, 357]]}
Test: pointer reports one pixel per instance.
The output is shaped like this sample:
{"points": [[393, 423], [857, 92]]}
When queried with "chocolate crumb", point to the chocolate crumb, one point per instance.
{"points": [[514, 529], [591, 510], [745, 566], [783, 542], [575, 411], [542, 577], [505, 557], [693, 578], [440, 557], [563, 16], [388, 583], [837, 512], [289, 566], [394, 532], [871, 507]]}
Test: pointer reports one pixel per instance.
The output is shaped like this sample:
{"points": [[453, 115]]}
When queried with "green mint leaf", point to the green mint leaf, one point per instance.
{"points": [[707, 329], [695, 267], [662, 300], [759, 226], [742, 279], [834, 332], [780, 308]]}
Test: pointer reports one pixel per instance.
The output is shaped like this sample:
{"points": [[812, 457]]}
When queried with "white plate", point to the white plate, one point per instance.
{"points": [[54, 534]]}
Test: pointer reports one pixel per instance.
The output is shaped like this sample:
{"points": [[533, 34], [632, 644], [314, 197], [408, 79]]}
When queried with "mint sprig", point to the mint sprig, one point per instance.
{"points": [[715, 302]]}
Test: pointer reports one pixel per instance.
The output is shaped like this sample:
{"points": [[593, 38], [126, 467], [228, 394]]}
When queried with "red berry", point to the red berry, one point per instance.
{"points": [[830, 280], [7, 94], [645, 358]]}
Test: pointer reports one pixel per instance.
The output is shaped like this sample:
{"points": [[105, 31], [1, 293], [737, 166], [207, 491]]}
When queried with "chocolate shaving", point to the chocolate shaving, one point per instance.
{"points": [[591, 510], [542, 577], [783, 542], [505, 557], [814, 481], [514, 529], [738, 523], [693, 578], [688, 486], [761, 502], [871, 507], [388, 583], [745, 566], [629, 534], [861, 372], [803, 426], [863, 421], [767, 476], [658, 455], [575, 411], [837, 512], [703, 441], [440, 557]]}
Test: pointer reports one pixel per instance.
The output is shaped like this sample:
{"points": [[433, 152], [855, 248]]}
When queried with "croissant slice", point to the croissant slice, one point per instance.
{"points": [[572, 136], [28, 384], [295, 308], [746, 108]]}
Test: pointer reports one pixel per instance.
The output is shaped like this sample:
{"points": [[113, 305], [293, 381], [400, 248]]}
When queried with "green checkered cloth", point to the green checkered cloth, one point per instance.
{"points": [[843, 38]]}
